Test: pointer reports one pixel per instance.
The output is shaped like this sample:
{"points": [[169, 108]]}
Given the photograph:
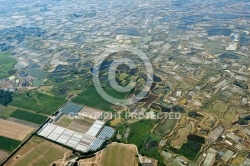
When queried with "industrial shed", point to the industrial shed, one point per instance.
{"points": [[90, 141], [71, 108], [106, 133]]}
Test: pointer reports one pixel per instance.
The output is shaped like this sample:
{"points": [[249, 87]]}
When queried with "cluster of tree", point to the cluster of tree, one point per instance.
{"points": [[5, 97], [243, 121], [189, 150]]}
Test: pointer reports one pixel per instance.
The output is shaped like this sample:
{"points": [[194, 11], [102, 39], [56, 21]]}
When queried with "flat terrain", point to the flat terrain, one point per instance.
{"points": [[14, 130], [230, 115], [115, 154], [7, 111], [91, 112], [91, 98], [37, 102], [119, 154], [165, 128], [81, 125], [8, 144], [3, 155], [219, 108], [209, 119], [37, 151], [64, 121], [6, 64], [29, 116], [182, 134]]}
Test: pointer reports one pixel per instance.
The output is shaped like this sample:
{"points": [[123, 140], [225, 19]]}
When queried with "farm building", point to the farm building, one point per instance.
{"points": [[210, 157], [95, 128], [71, 108], [88, 141], [215, 134], [106, 133]]}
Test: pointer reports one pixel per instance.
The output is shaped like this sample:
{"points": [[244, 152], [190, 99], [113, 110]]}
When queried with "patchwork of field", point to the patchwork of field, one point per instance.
{"points": [[91, 98], [37, 102], [29, 116], [115, 154], [6, 64], [14, 130], [6, 112], [37, 151], [64, 121], [80, 125], [218, 108], [163, 129]]}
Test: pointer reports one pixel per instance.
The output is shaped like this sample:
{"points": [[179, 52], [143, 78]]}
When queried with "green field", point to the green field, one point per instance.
{"points": [[230, 115], [165, 128], [190, 150], [8, 144], [37, 82], [141, 136], [29, 116], [64, 121], [139, 131], [39, 74], [220, 106], [6, 64], [91, 98], [217, 107], [37, 102]]}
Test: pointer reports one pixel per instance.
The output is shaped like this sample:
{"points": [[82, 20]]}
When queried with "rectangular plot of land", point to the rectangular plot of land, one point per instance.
{"points": [[72, 142], [37, 151], [92, 113], [62, 140], [3, 155], [71, 108], [95, 128], [64, 121], [78, 128], [46, 130], [68, 133], [53, 136], [14, 130], [81, 125], [59, 130], [8, 144]]}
